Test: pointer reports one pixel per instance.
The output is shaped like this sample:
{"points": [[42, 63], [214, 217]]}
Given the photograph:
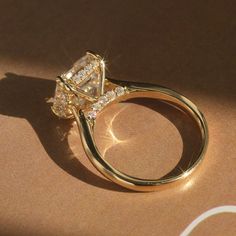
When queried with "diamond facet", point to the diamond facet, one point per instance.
{"points": [[111, 95], [97, 106], [60, 103], [92, 115], [119, 91], [69, 75], [87, 76], [79, 86], [103, 100]]}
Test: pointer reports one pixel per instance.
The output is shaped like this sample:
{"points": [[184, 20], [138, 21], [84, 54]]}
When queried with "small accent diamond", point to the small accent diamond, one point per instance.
{"points": [[69, 75], [94, 63], [92, 115], [88, 68], [111, 95], [103, 100], [97, 106], [60, 102], [119, 91]]}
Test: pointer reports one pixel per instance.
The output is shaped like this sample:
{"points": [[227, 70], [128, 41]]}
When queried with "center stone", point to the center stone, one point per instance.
{"points": [[85, 76], [77, 86]]}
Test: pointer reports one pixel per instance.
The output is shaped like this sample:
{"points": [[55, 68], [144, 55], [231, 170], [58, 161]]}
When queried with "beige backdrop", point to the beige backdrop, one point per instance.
{"points": [[47, 185]]}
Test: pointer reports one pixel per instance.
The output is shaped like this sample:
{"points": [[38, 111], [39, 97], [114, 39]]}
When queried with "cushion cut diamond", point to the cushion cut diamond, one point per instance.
{"points": [[86, 76], [83, 83]]}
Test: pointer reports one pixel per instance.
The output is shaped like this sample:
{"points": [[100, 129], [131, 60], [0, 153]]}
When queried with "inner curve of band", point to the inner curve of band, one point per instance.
{"points": [[185, 105]]}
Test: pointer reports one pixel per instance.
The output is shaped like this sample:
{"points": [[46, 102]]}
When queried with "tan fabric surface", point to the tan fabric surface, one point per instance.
{"points": [[47, 185]]}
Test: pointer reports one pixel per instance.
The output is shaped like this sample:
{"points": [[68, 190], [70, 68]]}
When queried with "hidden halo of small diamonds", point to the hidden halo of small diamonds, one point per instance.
{"points": [[82, 88], [79, 76], [104, 100], [83, 79]]}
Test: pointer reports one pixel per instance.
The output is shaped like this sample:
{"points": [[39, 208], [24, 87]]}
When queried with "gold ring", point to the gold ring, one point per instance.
{"points": [[83, 91]]}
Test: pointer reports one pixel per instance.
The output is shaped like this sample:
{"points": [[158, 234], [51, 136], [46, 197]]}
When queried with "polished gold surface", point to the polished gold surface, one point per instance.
{"points": [[131, 90]]}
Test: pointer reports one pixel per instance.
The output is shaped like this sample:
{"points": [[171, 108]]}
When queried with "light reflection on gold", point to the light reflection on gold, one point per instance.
{"points": [[73, 145], [110, 139], [188, 185], [183, 172]]}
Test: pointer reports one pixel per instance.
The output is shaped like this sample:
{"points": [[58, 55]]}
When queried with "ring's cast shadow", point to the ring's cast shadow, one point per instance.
{"points": [[26, 97]]}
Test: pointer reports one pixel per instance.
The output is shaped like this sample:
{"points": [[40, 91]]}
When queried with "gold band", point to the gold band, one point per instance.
{"points": [[137, 184], [113, 92]]}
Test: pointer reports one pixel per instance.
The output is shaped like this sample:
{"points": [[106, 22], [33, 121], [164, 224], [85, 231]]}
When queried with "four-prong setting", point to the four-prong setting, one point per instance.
{"points": [[81, 85]]}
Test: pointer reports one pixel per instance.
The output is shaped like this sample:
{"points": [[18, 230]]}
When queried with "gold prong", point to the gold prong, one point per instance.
{"points": [[103, 67], [88, 52]]}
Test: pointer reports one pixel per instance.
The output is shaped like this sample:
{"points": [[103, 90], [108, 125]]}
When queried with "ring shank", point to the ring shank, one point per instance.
{"points": [[130, 182]]}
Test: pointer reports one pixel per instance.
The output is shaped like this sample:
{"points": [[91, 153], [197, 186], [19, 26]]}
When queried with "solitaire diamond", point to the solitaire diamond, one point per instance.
{"points": [[79, 86], [103, 100], [86, 76]]}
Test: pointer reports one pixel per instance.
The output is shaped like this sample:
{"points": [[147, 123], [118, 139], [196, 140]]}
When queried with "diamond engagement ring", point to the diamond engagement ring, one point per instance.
{"points": [[84, 91]]}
